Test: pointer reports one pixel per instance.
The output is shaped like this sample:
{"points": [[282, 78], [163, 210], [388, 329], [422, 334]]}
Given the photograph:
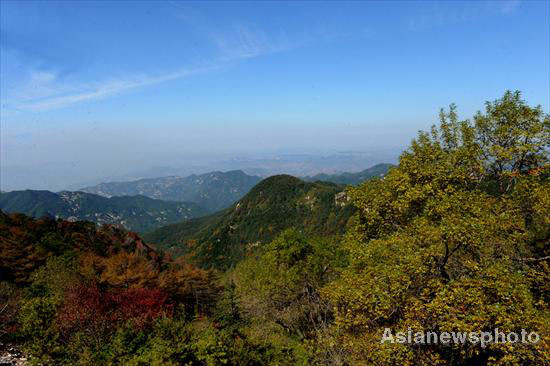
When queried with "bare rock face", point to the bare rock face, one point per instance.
{"points": [[340, 199], [11, 356]]}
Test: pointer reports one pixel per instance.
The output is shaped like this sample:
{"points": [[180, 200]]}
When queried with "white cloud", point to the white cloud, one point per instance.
{"points": [[433, 14], [63, 95], [46, 90]]}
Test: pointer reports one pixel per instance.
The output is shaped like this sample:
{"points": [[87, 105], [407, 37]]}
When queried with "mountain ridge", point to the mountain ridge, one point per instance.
{"points": [[213, 191], [378, 170], [136, 213], [276, 203]]}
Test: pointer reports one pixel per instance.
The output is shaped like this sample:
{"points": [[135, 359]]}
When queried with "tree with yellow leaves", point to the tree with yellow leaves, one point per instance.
{"points": [[453, 239]]}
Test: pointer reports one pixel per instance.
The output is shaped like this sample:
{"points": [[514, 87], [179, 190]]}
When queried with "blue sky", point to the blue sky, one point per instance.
{"points": [[93, 88]]}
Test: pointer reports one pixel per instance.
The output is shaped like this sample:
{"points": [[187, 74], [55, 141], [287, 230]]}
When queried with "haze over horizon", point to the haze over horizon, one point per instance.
{"points": [[96, 90]]}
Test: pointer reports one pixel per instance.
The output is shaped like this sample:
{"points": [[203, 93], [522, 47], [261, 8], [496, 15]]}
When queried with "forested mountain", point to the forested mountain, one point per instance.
{"points": [[71, 288], [137, 213], [277, 203], [376, 171], [213, 191], [454, 240], [26, 243]]}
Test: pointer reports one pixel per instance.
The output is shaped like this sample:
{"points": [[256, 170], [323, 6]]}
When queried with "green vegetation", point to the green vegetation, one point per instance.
{"points": [[75, 294], [455, 238], [213, 191], [138, 213], [275, 204], [376, 171]]}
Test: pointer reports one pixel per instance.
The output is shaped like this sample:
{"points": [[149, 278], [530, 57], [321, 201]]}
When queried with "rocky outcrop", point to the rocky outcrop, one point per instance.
{"points": [[11, 356], [341, 199]]}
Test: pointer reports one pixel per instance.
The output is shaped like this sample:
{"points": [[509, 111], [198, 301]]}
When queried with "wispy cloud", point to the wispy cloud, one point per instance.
{"points": [[38, 89], [234, 41], [43, 90], [435, 14], [59, 95], [46, 90]]}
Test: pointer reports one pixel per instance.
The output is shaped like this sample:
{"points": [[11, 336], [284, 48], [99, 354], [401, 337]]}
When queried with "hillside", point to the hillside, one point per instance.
{"points": [[67, 285], [213, 191], [275, 204], [378, 170], [26, 243], [451, 249], [137, 213]]}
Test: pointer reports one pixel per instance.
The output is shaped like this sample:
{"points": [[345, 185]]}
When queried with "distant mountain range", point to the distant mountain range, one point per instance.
{"points": [[148, 204], [277, 203], [376, 171], [136, 213], [301, 165], [212, 191]]}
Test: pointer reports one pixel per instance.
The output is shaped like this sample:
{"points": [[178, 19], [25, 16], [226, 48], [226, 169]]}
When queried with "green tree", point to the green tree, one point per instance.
{"points": [[278, 291], [435, 248], [513, 136]]}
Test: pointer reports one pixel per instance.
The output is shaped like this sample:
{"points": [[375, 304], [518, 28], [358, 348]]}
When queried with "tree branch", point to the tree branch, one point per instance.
{"points": [[532, 259]]}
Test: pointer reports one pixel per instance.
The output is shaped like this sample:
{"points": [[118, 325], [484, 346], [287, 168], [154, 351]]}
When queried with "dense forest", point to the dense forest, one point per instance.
{"points": [[136, 213], [277, 203], [455, 237], [212, 191]]}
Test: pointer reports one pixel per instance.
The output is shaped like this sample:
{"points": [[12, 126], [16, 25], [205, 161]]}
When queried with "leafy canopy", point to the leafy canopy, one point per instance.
{"points": [[455, 238]]}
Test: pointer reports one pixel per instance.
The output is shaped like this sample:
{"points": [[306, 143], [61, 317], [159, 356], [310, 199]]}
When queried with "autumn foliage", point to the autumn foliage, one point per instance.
{"points": [[456, 238], [88, 309]]}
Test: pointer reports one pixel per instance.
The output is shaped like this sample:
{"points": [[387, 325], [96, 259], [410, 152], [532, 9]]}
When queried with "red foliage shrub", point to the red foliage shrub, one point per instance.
{"points": [[140, 305], [88, 309], [85, 309]]}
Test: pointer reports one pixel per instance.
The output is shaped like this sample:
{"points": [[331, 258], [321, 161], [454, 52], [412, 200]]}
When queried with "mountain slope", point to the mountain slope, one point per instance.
{"points": [[275, 204], [375, 171], [26, 243], [138, 213], [213, 191]]}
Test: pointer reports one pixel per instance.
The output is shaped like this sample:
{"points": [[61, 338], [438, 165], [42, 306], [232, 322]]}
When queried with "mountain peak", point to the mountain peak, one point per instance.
{"points": [[213, 191], [273, 205]]}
